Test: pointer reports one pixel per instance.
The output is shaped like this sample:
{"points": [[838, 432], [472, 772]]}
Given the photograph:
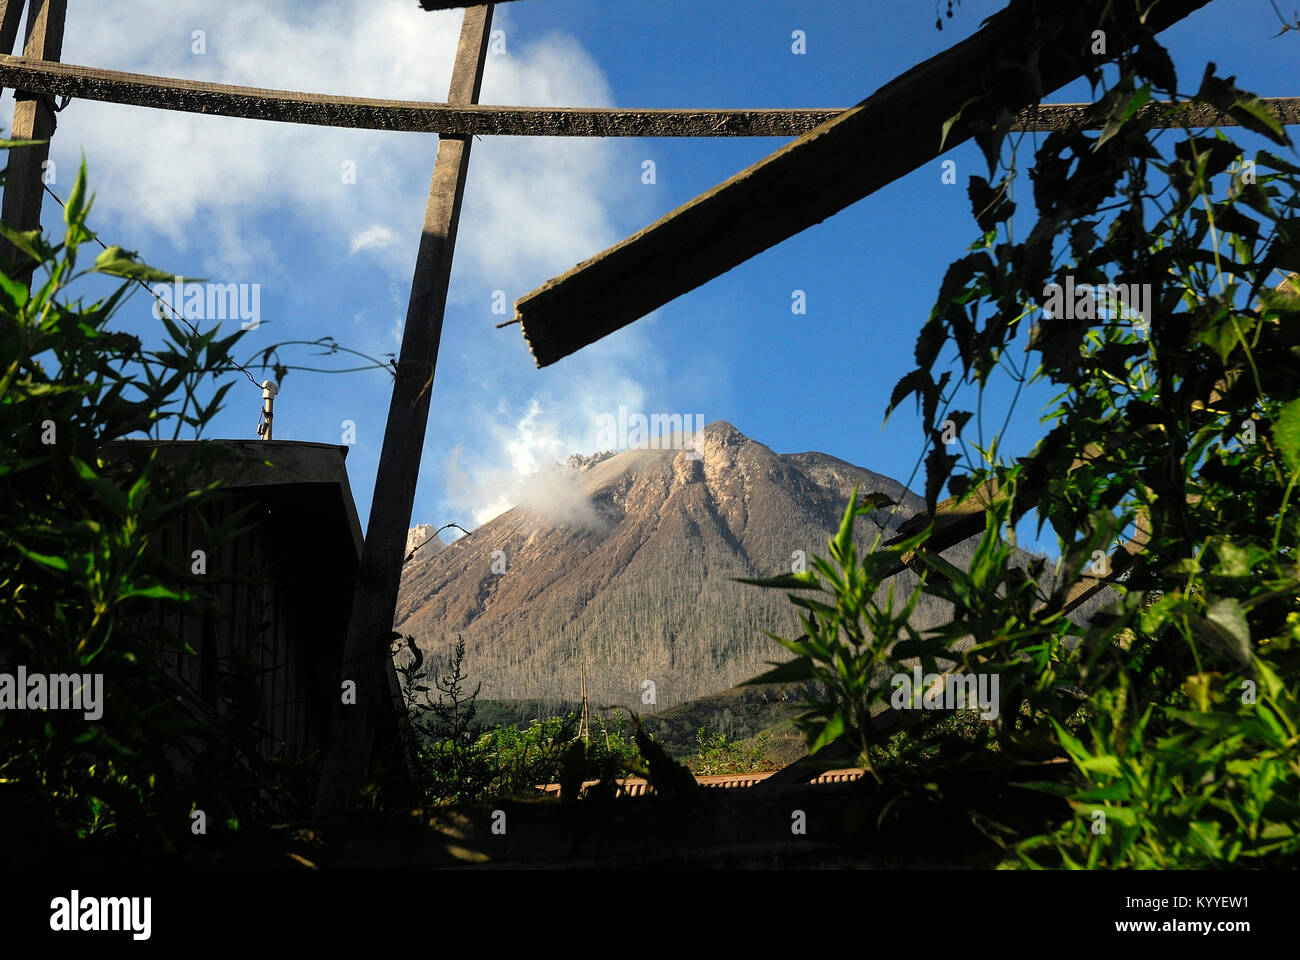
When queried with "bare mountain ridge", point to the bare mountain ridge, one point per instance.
{"points": [[626, 563]]}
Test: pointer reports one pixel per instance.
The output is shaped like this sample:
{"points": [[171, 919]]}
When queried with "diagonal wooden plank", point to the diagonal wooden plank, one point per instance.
{"points": [[367, 647], [886, 136]]}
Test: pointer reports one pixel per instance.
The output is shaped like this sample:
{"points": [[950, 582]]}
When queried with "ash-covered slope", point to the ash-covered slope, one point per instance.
{"points": [[626, 565]]}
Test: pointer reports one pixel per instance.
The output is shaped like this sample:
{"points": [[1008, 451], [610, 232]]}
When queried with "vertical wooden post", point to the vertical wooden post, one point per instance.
{"points": [[11, 11], [370, 628], [33, 120]]}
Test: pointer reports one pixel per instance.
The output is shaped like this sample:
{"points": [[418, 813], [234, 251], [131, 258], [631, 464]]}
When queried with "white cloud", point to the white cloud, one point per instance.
{"points": [[245, 199], [533, 207], [528, 475], [376, 237], [517, 466]]}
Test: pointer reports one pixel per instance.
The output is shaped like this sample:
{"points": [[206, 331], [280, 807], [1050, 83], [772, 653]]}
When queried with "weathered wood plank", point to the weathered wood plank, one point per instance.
{"points": [[447, 4], [414, 116], [886, 136], [366, 653], [33, 120], [287, 106], [11, 12]]}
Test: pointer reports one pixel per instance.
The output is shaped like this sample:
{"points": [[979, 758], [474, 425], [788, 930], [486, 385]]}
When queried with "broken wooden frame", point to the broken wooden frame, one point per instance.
{"points": [[926, 111]]}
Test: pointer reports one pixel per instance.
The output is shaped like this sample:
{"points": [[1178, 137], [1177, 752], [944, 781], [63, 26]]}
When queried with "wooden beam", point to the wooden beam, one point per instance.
{"points": [[414, 116], [446, 4], [367, 648], [287, 106], [11, 12], [33, 120], [886, 136], [1049, 117]]}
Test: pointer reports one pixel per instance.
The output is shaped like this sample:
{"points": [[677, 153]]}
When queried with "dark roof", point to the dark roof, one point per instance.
{"points": [[260, 463]]}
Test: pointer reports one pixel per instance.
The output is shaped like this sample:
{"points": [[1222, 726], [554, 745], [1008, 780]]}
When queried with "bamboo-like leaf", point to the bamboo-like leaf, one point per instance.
{"points": [[797, 670]]}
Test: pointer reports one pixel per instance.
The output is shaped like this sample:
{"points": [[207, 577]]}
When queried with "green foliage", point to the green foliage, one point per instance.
{"points": [[457, 761], [719, 756], [1175, 433], [838, 649], [86, 586], [446, 734], [1181, 788]]}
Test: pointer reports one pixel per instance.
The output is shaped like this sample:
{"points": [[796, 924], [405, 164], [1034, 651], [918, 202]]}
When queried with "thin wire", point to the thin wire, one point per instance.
{"points": [[177, 316], [434, 536]]}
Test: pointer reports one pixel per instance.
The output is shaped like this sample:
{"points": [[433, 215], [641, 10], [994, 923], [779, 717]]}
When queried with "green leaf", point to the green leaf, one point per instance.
{"points": [[116, 262], [1116, 121], [1246, 108], [1256, 115], [10, 144], [45, 559], [989, 206], [948, 124], [1228, 615], [74, 208], [1235, 561], [804, 580], [1106, 764], [830, 731], [938, 465], [1205, 835], [952, 574], [915, 381], [1265, 159], [155, 592], [29, 242], [797, 670], [1286, 434], [16, 293], [1118, 790], [108, 492], [1229, 218], [843, 540], [1284, 252], [1069, 742]]}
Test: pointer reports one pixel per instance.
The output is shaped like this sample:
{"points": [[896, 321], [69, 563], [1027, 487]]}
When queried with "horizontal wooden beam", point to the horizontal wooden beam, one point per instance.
{"points": [[450, 4], [414, 116], [886, 136], [330, 110]]}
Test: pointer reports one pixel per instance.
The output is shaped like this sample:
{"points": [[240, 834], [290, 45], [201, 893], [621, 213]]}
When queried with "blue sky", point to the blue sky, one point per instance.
{"points": [[252, 202]]}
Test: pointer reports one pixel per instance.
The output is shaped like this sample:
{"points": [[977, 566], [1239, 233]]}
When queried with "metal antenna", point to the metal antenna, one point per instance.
{"points": [[269, 390]]}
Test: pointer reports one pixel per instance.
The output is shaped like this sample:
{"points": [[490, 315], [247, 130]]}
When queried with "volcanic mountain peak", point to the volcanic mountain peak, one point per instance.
{"points": [[577, 461], [626, 562]]}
